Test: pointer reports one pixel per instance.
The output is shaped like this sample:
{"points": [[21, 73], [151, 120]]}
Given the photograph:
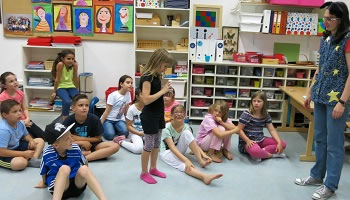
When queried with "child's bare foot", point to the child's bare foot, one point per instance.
{"points": [[207, 179], [227, 154], [215, 158], [204, 162]]}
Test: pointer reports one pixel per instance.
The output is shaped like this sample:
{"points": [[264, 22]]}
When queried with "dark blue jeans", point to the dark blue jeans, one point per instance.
{"points": [[114, 128], [329, 145], [66, 94]]}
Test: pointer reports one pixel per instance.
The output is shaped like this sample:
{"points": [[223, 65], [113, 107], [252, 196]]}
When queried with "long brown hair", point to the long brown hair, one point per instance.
{"points": [[159, 57], [261, 95], [59, 58], [3, 80], [223, 108]]}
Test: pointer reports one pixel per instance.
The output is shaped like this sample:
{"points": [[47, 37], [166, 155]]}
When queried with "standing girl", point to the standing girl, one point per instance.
{"points": [[330, 93], [251, 136], [133, 124], [9, 90], [113, 118], [176, 139], [152, 116], [65, 73], [216, 130]]}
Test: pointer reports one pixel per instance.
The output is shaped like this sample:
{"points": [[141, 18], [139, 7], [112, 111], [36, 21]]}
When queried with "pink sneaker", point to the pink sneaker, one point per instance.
{"points": [[118, 139], [158, 173], [148, 178]]}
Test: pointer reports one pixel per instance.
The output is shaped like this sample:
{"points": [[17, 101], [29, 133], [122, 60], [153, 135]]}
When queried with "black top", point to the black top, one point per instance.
{"points": [[92, 126], [156, 108]]}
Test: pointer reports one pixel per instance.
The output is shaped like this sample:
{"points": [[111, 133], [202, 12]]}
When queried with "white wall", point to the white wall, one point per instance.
{"points": [[109, 60]]}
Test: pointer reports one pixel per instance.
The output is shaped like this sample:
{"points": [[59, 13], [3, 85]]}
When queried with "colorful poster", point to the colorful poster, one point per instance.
{"points": [[82, 2], [41, 1], [103, 19], [62, 15], [83, 21], [124, 18], [42, 18], [206, 18], [18, 24]]}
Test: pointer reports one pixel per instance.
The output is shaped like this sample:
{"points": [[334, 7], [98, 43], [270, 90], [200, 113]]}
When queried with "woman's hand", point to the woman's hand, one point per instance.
{"points": [[250, 143], [338, 111], [279, 148], [53, 95], [307, 101]]}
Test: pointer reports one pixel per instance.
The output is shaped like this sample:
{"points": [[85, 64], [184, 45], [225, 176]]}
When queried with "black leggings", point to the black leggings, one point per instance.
{"points": [[35, 131]]}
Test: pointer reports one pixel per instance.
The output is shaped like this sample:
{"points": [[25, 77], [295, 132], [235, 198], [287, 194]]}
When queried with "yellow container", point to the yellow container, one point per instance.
{"points": [[256, 84], [270, 61], [48, 64]]}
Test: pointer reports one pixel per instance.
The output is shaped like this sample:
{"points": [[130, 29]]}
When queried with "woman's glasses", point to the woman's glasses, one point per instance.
{"points": [[330, 19]]}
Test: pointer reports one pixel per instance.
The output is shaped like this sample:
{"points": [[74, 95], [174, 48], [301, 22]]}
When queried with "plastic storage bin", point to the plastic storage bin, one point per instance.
{"points": [[247, 71], [269, 72], [250, 27], [179, 87], [197, 91], [198, 79], [198, 69], [312, 3], [250, 17]]}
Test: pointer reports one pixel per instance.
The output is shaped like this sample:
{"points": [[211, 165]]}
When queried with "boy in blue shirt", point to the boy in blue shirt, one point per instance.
{"points": [[63, 167], [16, 145]]}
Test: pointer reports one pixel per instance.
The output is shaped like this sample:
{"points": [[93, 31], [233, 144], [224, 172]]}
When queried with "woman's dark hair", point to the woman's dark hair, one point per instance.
{"points": [[122, 80], [137, 93], [3, 80], [340, 10], [98, 24], [58, 59]]}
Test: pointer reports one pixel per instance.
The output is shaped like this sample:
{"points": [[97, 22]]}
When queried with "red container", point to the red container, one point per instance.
{"points": [[239, 57], [279, 56], [208, 92], [311, 3], [278, 84], [112, 89], [300, 74], [198, 69], [199, 102], [253, 57]]}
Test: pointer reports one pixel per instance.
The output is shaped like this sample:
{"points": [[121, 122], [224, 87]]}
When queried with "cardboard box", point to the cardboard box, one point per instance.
{"points": [[155, 21], [270, 61]]}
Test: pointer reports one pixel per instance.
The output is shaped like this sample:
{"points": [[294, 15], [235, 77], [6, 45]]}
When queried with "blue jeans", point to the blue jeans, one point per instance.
{"points": [[113, 128], [329, 145], [66, 94]]}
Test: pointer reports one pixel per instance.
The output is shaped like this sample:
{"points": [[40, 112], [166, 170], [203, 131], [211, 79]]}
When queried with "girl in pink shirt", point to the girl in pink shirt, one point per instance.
{"points": [[216, 130], [169, 103], [9, 90]]}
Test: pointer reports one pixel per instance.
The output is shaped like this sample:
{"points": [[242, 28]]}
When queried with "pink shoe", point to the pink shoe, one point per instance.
{"points": [[148, 178], [118, 139], [158, 173]]}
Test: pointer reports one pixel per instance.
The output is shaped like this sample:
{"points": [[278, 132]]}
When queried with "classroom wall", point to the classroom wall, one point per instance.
{"points": [[109, 60]]}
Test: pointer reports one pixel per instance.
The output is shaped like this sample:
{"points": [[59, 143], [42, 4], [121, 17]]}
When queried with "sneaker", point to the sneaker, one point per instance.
{"points": [[308, 181], [279, 155], [322, 193]]}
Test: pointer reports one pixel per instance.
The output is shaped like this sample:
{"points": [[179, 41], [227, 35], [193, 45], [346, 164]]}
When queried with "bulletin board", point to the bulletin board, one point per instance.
{"points": [[25, 8]]}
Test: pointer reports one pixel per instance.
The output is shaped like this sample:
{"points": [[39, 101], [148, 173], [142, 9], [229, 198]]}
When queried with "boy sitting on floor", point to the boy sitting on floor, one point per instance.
{"points": [[63, 167], [87, 131], [16, 145]]}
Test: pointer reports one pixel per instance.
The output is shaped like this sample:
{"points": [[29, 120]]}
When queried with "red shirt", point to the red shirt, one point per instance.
{"points": [[19, 97]]}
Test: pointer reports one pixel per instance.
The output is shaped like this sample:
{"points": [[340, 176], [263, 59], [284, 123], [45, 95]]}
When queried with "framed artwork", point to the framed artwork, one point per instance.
{"points": [[42, 17], [207, 16], [41, 1], [124, 18], [82, 2], [83, 21], [104, 2], [230, 37], [62, 15], [103, 19], [18, 24]]}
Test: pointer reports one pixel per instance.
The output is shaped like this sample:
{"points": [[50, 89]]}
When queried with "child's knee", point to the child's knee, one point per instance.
{"points": [[64, 169], [39, 141], [18, 163], [108, 136], [284, 144], [115, 147], [221, 128], [83, 171]]}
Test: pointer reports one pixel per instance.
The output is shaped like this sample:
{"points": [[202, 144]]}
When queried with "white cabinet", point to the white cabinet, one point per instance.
{"points": [[235, 82], [147, 38], [43, 53]]}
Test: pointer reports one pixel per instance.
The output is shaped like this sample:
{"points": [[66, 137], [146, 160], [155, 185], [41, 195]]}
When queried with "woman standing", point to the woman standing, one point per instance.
{"points": [[330, 92]]}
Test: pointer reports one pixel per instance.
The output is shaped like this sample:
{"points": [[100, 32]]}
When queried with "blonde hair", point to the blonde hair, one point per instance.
{"points": [[223, 108], [261, 95], [159, 57]]}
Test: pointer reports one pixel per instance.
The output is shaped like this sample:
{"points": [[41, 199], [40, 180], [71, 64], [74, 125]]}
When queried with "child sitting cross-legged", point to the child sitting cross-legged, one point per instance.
{"points": [[176, 139], [16, 145], [87, 131], [64, 168]]}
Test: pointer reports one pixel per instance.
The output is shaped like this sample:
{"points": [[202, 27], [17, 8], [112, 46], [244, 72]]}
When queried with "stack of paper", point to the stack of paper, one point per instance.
{"points": [[177, 4]]}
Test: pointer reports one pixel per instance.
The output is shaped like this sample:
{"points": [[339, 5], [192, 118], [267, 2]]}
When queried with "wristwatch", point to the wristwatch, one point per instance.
{"points": [[342, 102]]}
